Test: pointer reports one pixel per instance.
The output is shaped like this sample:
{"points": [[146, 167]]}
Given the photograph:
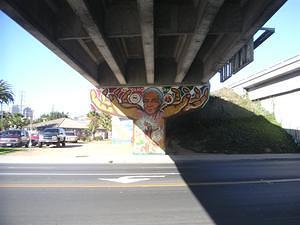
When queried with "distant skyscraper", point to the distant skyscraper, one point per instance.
{"points": [[28, 113], [15, 109]]}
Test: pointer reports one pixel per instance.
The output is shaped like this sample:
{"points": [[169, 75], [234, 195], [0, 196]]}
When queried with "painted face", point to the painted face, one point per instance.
{"points": [[151, 102]]}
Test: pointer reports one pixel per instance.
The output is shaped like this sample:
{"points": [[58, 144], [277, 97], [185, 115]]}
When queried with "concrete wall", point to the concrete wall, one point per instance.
{"points": [[278, 86], [287, 111], [122, 130]]}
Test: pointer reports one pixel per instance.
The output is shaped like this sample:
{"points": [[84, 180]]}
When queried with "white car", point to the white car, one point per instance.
{"points": [[71, 137]]}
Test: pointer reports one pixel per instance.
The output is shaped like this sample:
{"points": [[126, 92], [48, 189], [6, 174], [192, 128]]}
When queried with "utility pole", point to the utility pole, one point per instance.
{"points": [[31, 121], [21, 103]]}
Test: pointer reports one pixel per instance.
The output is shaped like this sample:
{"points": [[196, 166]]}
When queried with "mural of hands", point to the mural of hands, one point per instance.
{"points": [[175, 97], [121, 94], [198, 100], [149, 107], [99, 101]]}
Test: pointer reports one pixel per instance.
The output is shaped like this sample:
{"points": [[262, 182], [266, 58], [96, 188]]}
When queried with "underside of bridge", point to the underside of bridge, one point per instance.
{"points": [[145, 42]]}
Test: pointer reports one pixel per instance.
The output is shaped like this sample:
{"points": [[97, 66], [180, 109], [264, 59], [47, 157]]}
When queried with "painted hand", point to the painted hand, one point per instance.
{"points": [[105, 104], [198, 100]]}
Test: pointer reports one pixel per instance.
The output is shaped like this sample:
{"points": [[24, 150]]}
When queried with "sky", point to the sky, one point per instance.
{"points": [[48, 84]]}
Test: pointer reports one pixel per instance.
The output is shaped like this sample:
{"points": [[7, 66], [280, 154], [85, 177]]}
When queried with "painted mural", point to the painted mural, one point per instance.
{"points": [[149, 107]]}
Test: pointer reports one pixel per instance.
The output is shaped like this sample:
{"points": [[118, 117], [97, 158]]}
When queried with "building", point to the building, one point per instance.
{"points": [[28, 113], [61, 122], [15, 109], [78, 127]]}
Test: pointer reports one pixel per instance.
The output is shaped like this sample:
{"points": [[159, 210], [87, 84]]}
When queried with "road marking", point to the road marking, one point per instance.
{"points": [[261, 181], [154, 185], [157, 167], [28, 167], [91, 185], [130, 179], [85, 174]]}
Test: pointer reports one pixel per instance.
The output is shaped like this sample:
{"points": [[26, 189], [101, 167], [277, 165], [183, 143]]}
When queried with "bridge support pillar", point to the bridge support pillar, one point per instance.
{"points": [[149, 107]]}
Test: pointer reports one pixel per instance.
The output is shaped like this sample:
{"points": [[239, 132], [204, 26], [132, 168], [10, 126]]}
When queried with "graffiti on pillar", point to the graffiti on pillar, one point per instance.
{"points": [[149, 107]]}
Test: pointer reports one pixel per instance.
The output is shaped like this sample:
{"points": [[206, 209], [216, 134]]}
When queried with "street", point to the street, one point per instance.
{"points": [[193, 192]]}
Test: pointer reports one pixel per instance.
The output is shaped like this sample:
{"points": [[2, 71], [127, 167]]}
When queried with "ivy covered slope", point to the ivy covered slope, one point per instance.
{"points": [[228, 123]]}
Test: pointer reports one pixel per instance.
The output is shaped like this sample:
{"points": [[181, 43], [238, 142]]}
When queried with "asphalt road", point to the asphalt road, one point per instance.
{"points": [[254, 192]]}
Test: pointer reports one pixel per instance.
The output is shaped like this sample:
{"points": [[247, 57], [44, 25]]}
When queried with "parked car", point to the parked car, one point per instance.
{"points": [[14, 138], [34, 138], [50, 136], [71, 137]]}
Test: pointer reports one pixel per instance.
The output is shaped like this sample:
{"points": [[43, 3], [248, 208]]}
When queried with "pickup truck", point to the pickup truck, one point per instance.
{"points": [[56, 136]]}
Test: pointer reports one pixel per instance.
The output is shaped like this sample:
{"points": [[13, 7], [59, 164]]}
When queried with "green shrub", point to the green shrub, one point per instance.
{"points": [[98, 138]]}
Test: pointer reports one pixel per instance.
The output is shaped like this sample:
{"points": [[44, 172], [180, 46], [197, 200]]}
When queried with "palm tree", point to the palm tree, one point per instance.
{"points": [[6, 94]]}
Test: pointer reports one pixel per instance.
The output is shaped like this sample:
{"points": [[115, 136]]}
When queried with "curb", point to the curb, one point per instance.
{"points": [[143, 159]]}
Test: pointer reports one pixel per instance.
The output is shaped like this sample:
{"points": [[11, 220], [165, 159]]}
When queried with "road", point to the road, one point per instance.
{"points": [[236, 192]]}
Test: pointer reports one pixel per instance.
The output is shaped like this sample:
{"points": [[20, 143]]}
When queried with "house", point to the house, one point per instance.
{"points": [[65, 123], [78, 127]]}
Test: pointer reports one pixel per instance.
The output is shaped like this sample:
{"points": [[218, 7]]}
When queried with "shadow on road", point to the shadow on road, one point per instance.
{"points": [[73, 145], [227, 198], [235, 193]]}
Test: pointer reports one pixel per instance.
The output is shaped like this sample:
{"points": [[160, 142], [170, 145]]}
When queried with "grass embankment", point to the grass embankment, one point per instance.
{"points": [[240, 127], [8, 150]]}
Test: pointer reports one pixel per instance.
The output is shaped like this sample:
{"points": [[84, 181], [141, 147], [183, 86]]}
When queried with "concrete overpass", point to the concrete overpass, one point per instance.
{"points": [[149, 59], [145, 42]]}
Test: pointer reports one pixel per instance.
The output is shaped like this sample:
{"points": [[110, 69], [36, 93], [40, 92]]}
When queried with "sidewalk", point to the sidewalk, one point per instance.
{"points": [[105, 153]]}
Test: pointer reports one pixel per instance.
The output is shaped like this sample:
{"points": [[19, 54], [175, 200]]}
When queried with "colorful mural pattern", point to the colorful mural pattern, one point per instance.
{"points": [[149, 107]]}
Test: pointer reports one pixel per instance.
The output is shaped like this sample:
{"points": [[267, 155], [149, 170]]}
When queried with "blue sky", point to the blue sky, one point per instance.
{"points": [[48, 83]]}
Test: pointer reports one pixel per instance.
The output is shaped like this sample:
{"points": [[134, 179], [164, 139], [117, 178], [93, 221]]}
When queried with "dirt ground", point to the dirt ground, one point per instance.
{"points": [[81, 149]]}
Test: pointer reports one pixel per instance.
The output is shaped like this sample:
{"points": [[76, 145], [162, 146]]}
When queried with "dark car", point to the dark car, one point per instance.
{"points": [[56, 136], [14, 138]]}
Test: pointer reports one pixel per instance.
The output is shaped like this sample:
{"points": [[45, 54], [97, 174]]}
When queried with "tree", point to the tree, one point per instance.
{"points": [[98, 120], [5, 120], [51, 116], [16, 120], [94, 122], [57, 115], [105, 121], [6, 94]]}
